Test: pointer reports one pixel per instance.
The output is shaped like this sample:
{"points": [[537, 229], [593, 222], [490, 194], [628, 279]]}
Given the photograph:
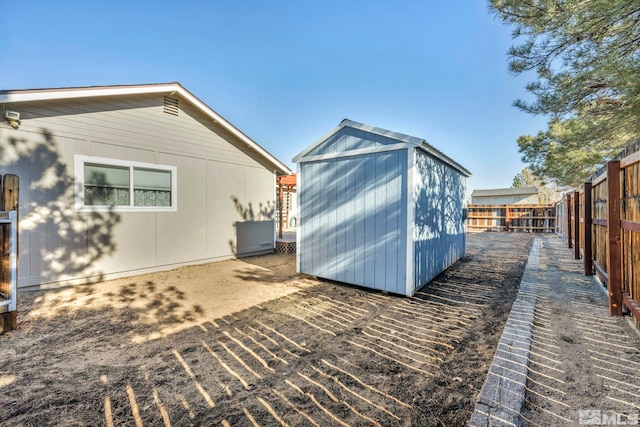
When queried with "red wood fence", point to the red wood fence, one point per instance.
{"points": [[524, 218], [9, 185], [601, 223]]}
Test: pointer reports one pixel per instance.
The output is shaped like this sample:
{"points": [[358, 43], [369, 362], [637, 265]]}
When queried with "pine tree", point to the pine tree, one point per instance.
{"points": [[586, 54]]}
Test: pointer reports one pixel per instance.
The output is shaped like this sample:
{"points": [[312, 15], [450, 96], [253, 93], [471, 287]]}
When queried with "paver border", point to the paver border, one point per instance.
{"points": [[502, 395]]}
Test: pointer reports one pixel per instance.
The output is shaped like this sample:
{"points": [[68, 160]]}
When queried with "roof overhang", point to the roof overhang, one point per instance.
{"points": [[407, 139], [17, 96]]}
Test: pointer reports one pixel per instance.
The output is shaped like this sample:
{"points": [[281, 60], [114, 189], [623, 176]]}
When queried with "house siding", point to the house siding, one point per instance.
{"points": [[439, 231], [219, 182], [351, 222]]}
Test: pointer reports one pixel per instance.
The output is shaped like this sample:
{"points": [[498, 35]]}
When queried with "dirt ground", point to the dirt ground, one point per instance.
{"points": [[251, 342], [581, 358]]}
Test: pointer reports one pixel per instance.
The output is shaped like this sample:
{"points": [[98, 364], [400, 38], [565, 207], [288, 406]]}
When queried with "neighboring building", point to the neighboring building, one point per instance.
{"points": [[506, 196], [288, 206], [123, 180], [379, 209]]}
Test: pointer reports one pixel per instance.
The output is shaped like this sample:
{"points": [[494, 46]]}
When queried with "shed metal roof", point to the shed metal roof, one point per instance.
{"points": [[29, 95], [411, 140], [504, 192]]}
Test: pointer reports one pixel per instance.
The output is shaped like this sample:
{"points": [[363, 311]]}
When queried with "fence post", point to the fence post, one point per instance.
{"points": [[4, 248], [506, 218], [567, 211], [588, 232], [576, 224], [9, 200], [614, 241]]}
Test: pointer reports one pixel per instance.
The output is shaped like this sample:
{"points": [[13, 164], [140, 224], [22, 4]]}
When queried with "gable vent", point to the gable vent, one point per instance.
{"points": [[171, 106]]}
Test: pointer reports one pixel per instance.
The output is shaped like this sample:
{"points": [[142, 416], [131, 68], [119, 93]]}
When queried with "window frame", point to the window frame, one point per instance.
{"points": [[80, 160]]}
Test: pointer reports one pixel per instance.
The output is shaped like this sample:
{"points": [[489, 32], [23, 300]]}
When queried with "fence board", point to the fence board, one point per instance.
{"points": [[630, 207], [519, 218], [614, 239], [609, 231], [599, 244], [576, 225], [587, 235]]}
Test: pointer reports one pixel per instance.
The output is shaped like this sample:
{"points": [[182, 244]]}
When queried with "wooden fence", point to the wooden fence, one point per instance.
{"points": [[604, 231], [523, 218], [9, 184]]}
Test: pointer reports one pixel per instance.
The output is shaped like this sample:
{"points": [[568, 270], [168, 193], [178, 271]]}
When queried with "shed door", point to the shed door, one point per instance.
{"points": [[353, 220]]}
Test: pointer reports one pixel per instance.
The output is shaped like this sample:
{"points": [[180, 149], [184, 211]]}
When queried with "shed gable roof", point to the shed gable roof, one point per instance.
{"points": [[29, 95], [402, 138]]}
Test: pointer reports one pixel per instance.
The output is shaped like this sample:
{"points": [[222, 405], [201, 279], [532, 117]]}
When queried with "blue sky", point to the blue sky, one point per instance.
{"points": [[286, 72]]}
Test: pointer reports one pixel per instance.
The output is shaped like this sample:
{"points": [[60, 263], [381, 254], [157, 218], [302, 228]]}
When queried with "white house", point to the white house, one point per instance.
{"points": [[123, 180]]}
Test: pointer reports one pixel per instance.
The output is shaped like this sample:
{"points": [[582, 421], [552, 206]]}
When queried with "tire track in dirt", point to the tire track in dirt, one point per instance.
{"points": [[328, 355]]}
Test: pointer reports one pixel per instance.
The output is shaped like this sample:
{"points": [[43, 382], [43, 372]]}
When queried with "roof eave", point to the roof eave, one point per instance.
{"points": [[319, 141], [444, 158], [170, 88], [411, 140]]}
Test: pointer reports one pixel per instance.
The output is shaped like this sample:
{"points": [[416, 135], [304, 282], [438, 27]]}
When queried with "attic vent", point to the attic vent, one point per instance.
{"points": [[170, 106]]}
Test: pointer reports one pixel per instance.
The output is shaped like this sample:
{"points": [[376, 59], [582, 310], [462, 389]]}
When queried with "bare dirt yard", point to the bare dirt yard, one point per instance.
{"points": [[251, 342]]}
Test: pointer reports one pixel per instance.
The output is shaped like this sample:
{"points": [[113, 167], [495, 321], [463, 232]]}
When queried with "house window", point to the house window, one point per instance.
{"points": [[116, 185]]}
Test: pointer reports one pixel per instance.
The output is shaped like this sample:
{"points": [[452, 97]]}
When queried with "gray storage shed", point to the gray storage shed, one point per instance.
{"points": [[379, 209]]}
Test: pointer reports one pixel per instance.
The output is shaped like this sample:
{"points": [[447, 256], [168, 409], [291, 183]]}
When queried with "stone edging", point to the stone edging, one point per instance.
{"points": [[502, 396]]}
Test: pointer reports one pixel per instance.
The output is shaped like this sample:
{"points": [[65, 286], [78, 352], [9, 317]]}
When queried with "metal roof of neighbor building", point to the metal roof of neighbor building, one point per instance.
{"points": [[504, 191], [28, 95]]}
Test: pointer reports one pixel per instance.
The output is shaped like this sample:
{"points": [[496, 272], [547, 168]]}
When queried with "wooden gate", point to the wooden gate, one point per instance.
{"points": [[8, 252]]}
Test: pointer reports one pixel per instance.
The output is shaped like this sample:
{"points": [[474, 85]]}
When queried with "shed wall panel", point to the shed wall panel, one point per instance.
{"points": [[439, 232], [351, 219]]}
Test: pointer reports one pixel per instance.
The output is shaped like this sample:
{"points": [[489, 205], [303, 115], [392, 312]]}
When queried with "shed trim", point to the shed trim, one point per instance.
{"points": [[411, 160], [353, 153], [408, 139], [30, 95], [298, 228], [444, 158], [319, 141]]}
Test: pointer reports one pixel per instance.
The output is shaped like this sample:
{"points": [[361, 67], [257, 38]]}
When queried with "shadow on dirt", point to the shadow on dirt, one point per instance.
{"points": [[326, 355]]}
